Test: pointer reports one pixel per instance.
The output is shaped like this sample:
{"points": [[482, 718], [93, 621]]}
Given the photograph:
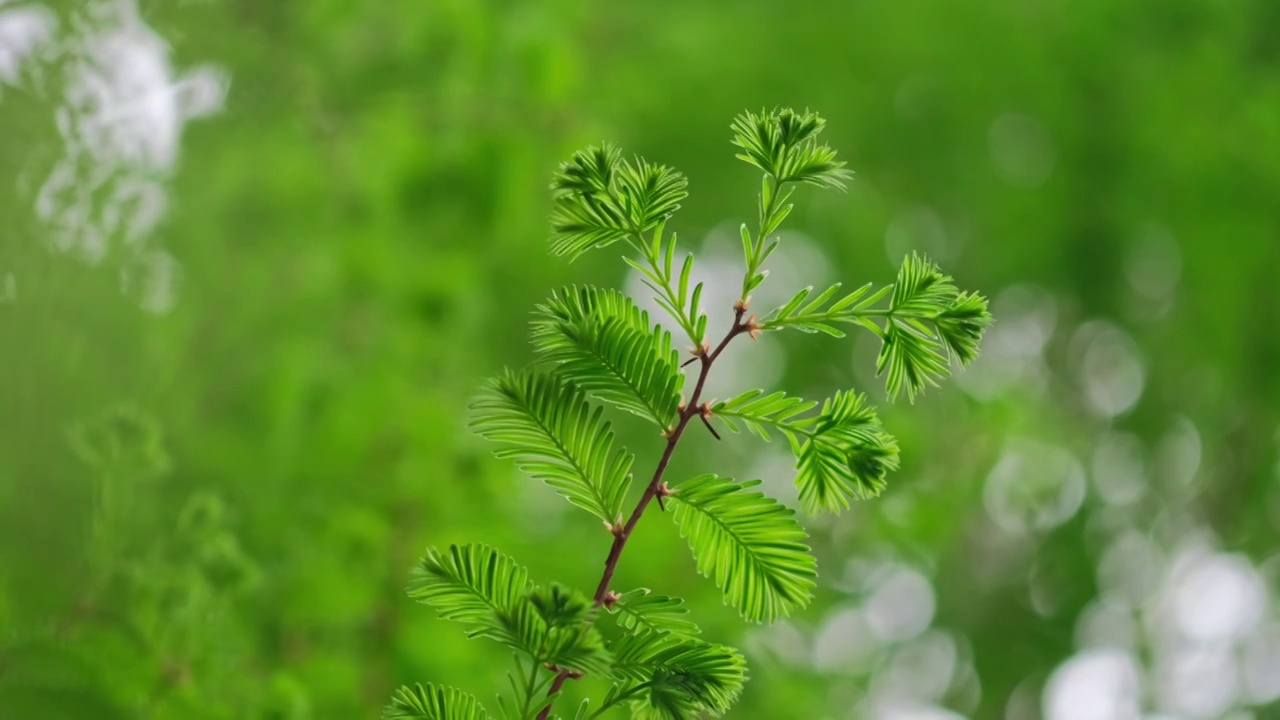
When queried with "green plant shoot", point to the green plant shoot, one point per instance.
{"points": [[600, 353]]}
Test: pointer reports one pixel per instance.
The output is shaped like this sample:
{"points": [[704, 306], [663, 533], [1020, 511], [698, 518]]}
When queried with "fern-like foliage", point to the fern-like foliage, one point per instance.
{"points": [[432, 702], [748, 543], [639, 610], [492, 596], [675, 294], [927, 325], [756, 411], [547, 426], [810, 315], [784, 144], [599, 198], [846, 455], [842, 452], [665, 676], [599, 352], [602, 340]]}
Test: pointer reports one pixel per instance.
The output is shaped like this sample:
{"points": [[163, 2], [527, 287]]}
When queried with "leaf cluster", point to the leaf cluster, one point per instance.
{"points": [[599, 198], [842, 452], [926, 326], [784, 144], [492, 596]]}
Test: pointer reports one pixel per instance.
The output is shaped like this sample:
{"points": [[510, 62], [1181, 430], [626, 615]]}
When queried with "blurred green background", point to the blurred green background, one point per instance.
{"points": [[256, 256]]}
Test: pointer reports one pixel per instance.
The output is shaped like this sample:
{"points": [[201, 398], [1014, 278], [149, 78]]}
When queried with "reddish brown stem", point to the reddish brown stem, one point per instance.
{"points": [[690, 410]]}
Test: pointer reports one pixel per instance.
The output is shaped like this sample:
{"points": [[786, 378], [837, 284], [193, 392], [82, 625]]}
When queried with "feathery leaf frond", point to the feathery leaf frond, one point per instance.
{"points": [[433, 702], [847, 454], [748, 543], [755, 409], [605, 344], [650, 193], [677, 295], [493, 597], [675, 677], [841, 452], [475, 585], [600, 198], [810, 316], [546, 424], [585, 215], [927, 325], [638, 610], [481, 588], [784, 144]]}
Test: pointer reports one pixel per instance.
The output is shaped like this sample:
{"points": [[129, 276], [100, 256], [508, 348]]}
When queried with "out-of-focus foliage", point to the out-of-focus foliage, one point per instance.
{"points": [[257, 256]]}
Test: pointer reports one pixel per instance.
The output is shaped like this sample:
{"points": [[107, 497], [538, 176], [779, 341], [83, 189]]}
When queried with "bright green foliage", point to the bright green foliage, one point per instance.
{"points": [[607, 346], [493, 597], [547, 426], [810, 316], [597, 346], [914, 353], [927, 324], [841, 452], [673, 677], [756, 410], [640, 610], [601, 198], [846, 455], [673, 293], [433, 702], [476, 586], [748, 543], [784, 144]]}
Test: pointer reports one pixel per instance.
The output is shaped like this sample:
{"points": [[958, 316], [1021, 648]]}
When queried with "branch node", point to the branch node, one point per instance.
{"points": [[616, 529], [742, 305], [661, 493], [752, 327], [610, 599], [702, 351]]}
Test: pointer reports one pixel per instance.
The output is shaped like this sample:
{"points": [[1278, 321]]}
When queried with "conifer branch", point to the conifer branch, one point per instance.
{"points": [[597, 346]]}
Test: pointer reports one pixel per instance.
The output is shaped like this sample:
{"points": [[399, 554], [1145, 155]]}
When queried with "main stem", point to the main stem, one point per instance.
{"points": [[691, 410]]}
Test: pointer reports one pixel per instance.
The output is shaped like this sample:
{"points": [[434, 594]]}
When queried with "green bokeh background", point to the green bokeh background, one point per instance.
{"points": [[224, 439]]}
